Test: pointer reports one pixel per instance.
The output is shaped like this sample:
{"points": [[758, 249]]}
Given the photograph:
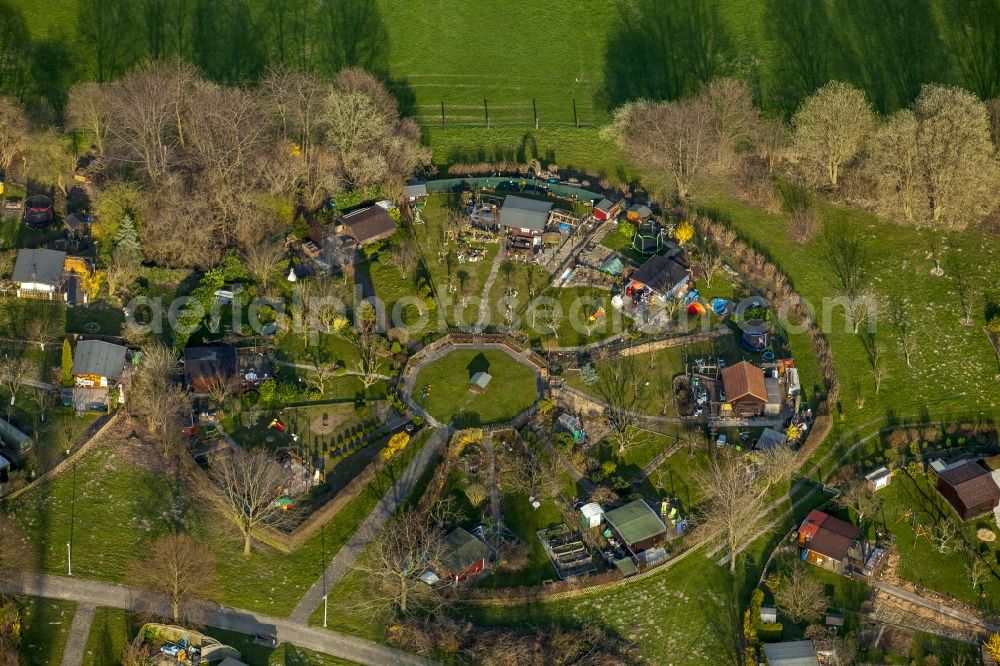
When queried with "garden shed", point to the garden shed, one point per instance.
{"points": [[13, 439], [479, 382], [205, 365], [827, 541], [879, 478], [369, 225], [790, 653], [464, 555], [415, 191], [39, 273], [591, 515], [636, 525], [572, 425], [746, 392], [525, 217], [98, 364], [662, 276], [968, 487], [606, 209], [639, 213], [76, 226], [771, 439]]}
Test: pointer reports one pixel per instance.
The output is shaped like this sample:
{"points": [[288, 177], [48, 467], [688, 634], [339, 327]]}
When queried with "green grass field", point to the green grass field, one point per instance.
{"points": [[511, 391], [45, 627], [123, 502], [539, 61], [953, 366]]}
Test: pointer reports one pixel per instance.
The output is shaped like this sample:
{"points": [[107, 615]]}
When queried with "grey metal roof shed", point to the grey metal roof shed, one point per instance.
{"points": [[39, 266], [790, 653], [96, 357], [522, 213]]}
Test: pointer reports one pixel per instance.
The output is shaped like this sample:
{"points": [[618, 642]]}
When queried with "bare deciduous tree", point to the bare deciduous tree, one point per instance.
{"points": [[621, 388], [829, 131], [898, 311], [13, 131], [14, 370], [399, 553], [250, 481], [49, 160], [734, 502], [372, 145], [262, 260], [182, 570], [148, 105], [849, 259], [405, 257], [154, 399], [88, 113], [957, 154], [734, 119], [859, 497], [675, 140], [895, 165], [369, 361], [800, 596]]}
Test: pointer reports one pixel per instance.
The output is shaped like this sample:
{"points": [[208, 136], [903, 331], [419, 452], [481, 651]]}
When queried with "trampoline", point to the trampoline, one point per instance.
{"points": [[648, 238]]}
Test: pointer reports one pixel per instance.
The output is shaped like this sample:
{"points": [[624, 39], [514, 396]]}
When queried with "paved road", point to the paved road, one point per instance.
{"points": [[349, 553], [76, 642], [94, 593]]}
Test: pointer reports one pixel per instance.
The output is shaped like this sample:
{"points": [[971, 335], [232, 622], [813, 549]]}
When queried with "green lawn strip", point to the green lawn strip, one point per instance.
{"points": [[120, 508], [577, 305], [469, 278], [45, 627], [321, 347], [523, 280], [511, 391], [95, 318], [524, 520], [923, 562], [659, 368], [111, 630], [405, 300]]}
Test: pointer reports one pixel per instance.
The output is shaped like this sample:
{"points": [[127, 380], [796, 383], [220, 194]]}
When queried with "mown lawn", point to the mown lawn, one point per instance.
{"points": [[458, 286], [511, 391], [45, 627], [657, 371], [574, 307], [123, 502], [901, 268], [922, 561]]}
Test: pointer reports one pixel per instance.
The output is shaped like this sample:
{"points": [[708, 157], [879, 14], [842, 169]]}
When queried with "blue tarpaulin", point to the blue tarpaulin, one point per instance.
{"points": [[719, 305]]}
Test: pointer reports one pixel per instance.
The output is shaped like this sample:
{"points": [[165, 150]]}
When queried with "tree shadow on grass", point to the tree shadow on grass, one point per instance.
{"points": [[351, 33], [662, 49]]}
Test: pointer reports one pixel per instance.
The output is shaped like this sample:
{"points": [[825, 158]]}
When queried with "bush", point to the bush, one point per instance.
{"points": [[803, 225], [770, 633]]}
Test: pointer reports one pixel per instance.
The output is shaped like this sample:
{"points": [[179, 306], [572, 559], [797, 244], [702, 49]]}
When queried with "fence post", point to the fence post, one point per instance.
{"points": [[576, 120], [486, 110], [442, 113], [534, 110]]}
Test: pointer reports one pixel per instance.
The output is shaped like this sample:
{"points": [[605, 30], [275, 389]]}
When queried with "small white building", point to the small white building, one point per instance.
{"points": [[879, 478], [39, 274], [591, 515]]}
